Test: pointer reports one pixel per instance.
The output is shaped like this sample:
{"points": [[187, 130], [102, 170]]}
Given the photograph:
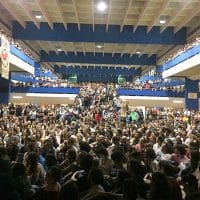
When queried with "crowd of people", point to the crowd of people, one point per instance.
{"points": [[98, 148], [63, 83], [16, 43], [149, 85], [185, 48]]}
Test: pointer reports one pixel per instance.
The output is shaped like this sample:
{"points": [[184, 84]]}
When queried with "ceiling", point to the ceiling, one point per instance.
{"points": [[134, 13]]}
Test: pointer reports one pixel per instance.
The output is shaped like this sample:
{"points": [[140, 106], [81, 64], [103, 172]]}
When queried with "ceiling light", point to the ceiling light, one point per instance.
{"points": [[176, 101], [138, 52], [59, 49], [101, 6], [99, 46], [162, 21], [17, 97], [38, 16]]}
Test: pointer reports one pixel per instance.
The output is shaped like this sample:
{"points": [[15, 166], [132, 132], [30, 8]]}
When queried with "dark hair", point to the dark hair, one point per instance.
{"points": [[18, 171], [168, 168], [85, 160], [32, 161], [130, 189], [71, 154], [160, 188], [4, 166], [117, 156], [149, 153], [135, 168], [191, 181], [180, 148], [122, 175], [105, 196], [96, 177], [69, 191], [102, 151], [84, 146], [55, 173], [50, 160]]}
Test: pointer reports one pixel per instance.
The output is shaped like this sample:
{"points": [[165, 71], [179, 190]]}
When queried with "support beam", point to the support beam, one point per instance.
{"points": [[114, 49], [76, 14], [98, 58], [83, 47], [126, 13], [74, 48], [146, 5], [63, 47], [108, 16], [93, 19], [58, 6], [176, 13], [12, 12], [28, 12], [86, 34], [134, 50], [158, 14], [124, 51], [45, 14], [187, 18]]}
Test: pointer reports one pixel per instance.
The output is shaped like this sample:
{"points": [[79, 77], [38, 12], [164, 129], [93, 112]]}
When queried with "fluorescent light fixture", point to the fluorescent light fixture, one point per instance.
{"points": [[177, 101], [138, 52], [101, 6], [17, 97], [99, 46], [50, 95], [38, 16], [59, 49], [162, 21]]}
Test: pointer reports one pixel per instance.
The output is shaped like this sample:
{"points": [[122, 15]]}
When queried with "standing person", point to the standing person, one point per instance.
{"points": [[159, 187], [52, 187]]}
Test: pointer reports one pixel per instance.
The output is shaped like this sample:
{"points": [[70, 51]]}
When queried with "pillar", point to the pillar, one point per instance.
{"points": [[4, 90], [191, 94]]}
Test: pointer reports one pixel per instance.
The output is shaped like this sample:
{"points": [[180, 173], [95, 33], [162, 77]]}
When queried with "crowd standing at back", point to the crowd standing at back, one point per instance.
{"points": [[98, 148]]}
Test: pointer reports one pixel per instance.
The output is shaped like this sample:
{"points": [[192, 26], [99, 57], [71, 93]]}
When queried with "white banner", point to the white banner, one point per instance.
{"points": [[4, 55], [192, 95]]}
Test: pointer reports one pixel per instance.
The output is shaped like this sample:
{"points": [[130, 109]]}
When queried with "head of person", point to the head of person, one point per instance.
{"points": [[130, 189], [71, 155], [102, 152], [117, 157], [180, 149], [50, 160], [122, 175], [69, 191], [160, 188], [84, 146], [32, 161], [96, 177], [85, 161], [190, 183], [160, 140], [149, 154], [18, 171], [134, 168], [53, 175]]}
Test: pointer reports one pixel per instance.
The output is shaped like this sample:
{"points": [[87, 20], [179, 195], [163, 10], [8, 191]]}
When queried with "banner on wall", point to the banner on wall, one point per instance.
{"points": [[4, 55], [192, 95]]}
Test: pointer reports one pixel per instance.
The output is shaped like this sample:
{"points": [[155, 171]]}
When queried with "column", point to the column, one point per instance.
{"points": [[4, 90], [191, 94]]}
